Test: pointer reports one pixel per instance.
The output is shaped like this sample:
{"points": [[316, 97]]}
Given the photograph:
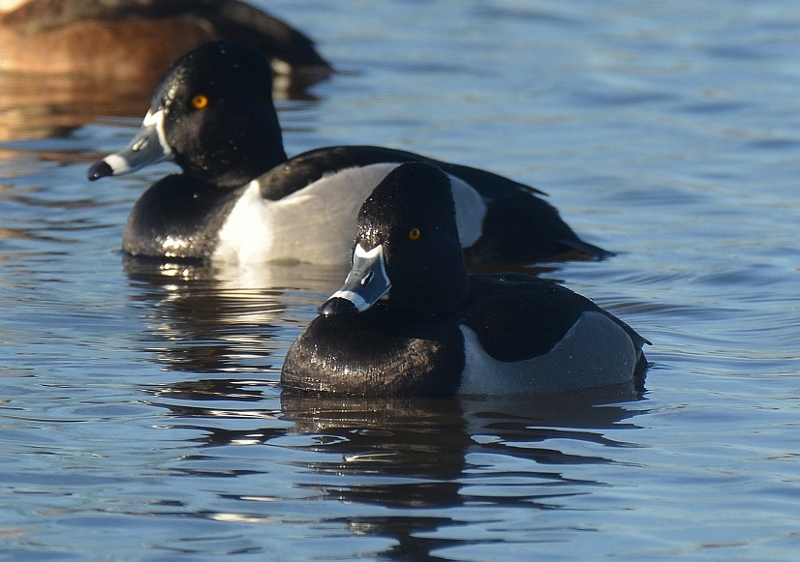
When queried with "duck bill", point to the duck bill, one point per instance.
{"points": [[149, 146], [366, 283]]}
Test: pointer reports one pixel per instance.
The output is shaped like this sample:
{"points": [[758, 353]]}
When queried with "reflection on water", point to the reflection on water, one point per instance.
{"points": [[426, 463], [430, 437], [186, 273], [52, 107], [34, 107], [203, 318]]}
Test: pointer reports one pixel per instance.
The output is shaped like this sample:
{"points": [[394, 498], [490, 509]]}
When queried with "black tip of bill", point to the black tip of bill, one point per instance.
{"points": [[336, 307], [99, 170]]}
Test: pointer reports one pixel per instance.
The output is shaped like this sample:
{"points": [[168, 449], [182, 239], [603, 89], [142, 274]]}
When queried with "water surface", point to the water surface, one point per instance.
{"points": [[140, 412]]}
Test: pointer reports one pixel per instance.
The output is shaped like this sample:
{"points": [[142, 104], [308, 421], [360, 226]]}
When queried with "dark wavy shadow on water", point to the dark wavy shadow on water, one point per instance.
{"points": [[426, 463]]}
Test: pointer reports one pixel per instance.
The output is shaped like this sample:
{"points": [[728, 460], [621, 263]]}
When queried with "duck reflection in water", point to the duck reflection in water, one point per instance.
{"points": [[421, 461], [436, 456], [203, 319]]}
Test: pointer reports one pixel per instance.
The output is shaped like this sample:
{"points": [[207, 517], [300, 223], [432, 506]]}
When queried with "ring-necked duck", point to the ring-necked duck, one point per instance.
{"points": [[240, 199], [139, 40], [410, 321]]}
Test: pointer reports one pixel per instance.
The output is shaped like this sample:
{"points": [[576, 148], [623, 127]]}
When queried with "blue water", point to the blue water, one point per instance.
{"points": [[140, 412]]}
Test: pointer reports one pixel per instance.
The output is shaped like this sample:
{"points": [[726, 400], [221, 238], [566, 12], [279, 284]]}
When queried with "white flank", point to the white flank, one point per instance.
{"points": [[317, 224], [247, 235]]}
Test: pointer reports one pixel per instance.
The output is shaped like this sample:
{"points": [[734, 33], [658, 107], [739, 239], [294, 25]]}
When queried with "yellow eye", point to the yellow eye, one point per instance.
{"points": [[414, 233], [199, 101]]}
